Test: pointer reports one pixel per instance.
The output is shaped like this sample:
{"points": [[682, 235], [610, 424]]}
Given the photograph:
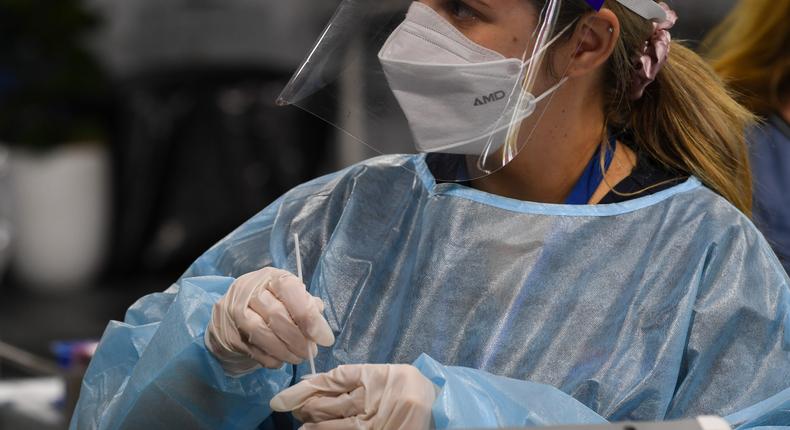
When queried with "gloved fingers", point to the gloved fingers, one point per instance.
{"points": [[265, 359], [325, 408], [411, 411], [236, 357], [303, 309], [277, 318], [218, 330], [237, 301], [262, 337], [221, 349], [235, 344], [242, 352], [223, 329], [294, 397], [319, 304], [343, 379], [350, 423], [313, 349]]}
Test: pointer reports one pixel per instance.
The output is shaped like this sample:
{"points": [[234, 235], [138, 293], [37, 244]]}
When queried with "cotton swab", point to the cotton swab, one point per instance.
{"points": [[310, 344]]}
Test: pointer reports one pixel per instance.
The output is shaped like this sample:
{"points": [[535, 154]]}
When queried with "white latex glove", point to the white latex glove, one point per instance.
{"points": [[363, 397], [266, 318]]}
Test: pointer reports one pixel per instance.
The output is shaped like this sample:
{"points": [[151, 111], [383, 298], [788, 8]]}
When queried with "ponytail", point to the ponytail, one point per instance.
{"points": [[691, 124], [686, 119]]}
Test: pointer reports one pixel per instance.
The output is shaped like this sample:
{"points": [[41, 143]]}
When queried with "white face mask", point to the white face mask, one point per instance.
{"points": [[457, 95]]}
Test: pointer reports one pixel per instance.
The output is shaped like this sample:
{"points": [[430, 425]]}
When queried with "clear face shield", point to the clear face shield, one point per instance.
{"points": [[385, 66]]}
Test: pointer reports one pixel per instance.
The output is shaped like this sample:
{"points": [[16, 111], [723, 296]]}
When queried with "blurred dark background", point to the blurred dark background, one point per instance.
{"points": [[133, 136]]}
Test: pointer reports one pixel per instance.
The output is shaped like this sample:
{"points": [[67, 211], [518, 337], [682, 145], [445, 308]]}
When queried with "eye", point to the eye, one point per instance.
{"points": [[461, 11]]}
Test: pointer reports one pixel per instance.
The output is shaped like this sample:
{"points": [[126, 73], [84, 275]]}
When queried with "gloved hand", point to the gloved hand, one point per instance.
{"points": [[361, 397], [265, 319]]}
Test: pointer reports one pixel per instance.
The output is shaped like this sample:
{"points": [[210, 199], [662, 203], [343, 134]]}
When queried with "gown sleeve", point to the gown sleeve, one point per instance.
{"points": [[736, 364], [471, 398], [153, 369], [157, 373], [737, 358]]}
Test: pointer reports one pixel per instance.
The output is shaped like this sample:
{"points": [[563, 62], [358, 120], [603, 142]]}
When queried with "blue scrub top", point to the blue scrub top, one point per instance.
{"points": [[770, 153]]}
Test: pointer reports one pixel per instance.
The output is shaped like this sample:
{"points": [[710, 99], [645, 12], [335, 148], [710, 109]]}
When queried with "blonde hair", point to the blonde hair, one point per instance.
{"points": [[686, 120], [750, 49]]}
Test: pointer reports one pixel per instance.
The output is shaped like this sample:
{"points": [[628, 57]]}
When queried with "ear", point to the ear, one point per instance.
{"points": [[593, 42]]}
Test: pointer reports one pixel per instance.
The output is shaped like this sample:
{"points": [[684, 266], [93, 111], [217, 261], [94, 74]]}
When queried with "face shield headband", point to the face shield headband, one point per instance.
{"points": [[647, 9]]}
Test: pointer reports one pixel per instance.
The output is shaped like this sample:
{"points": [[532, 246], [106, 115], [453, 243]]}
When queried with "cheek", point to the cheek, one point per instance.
{"points": [[507, 31], [508, 36], [515, 45], [506, 41], [518, 33]]}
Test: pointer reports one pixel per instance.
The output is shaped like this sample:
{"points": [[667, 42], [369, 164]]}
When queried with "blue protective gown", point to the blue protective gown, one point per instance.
{"points": [[664, 307], [770, 154]]}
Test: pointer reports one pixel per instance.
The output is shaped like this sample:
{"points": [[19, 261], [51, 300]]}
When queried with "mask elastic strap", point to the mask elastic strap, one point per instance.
{"points": [[560, 83], [551, 90], [533, 101], [549, 43]]}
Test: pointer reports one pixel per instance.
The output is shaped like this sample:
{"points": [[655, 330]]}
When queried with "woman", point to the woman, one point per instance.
{"points": [[569, 280], [751, 50]]}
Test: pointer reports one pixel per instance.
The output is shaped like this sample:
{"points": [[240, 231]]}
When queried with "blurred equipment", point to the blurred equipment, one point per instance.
{"points": [[26, 361], [48, 392], [31, 404], [201, 145], [5, 212], [200, 153], [146, 35], [61, 216], [52, 89], [53, 98]]}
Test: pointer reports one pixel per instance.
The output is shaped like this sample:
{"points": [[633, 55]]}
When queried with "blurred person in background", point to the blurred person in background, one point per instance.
{"points": [[603, 268], [751, 51]]}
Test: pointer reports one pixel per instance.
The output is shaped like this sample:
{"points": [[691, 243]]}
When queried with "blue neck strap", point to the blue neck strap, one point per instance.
{"points": [[592, 176]]}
